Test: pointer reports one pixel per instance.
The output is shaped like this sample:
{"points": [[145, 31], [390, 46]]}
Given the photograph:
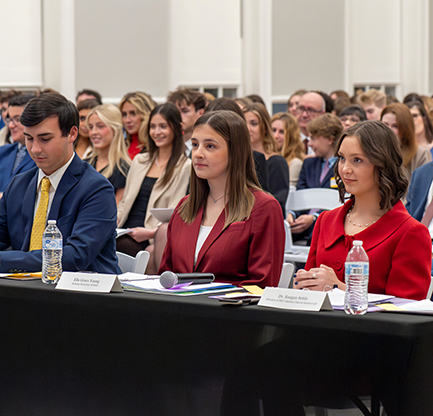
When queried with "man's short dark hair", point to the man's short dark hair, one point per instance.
{"points": [[197, 99], [51, 105], [21, 100], [94, 93]]}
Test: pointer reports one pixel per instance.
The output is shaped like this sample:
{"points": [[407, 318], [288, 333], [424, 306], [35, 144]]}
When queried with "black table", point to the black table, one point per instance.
{"points": [[73, 353]]}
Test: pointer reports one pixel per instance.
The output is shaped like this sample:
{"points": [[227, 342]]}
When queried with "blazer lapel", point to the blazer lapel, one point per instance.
{"points": [[216, 231], [28, 209], [68, 181]]}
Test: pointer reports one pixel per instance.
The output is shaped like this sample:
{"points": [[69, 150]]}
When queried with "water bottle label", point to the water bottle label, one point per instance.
{"points": [[52, 244], [356, 269]]}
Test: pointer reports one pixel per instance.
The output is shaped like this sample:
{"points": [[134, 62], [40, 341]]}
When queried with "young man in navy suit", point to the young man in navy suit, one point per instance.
{"points": [[316, 172], [79, 198], [14, 158]]}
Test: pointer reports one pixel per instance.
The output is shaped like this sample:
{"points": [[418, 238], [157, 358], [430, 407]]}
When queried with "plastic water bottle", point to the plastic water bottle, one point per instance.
{"points": [[357, 270], [52, 251]]}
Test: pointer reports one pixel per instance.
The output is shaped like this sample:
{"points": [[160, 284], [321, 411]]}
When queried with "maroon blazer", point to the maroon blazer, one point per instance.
{"points": [[398, 246], [246, 252]]}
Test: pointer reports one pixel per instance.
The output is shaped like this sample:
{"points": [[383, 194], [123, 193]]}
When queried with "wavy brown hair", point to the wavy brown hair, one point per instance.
{"points": [[382, 148], [242, 178], [406, 129]]}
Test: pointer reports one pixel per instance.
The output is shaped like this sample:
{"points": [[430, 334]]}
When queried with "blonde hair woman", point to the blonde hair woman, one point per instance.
{"points": [[109, 156], [135, 108], [286, 131]]}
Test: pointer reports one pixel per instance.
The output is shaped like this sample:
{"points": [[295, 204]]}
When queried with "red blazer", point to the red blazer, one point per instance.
{"points": [[246, 252], [398, 246]]}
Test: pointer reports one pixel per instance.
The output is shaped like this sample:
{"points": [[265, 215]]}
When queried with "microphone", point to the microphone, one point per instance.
{"points": [[170, 279]]}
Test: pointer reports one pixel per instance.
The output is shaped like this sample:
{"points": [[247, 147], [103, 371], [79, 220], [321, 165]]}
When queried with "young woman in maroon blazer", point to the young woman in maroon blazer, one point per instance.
{"points": [[227, 225], [399, 247]]}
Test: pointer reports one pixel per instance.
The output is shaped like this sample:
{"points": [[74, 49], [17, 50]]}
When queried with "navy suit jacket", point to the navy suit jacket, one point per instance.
{"points": [[418, 190], [310, 174], [85, 209], [8, 153]]}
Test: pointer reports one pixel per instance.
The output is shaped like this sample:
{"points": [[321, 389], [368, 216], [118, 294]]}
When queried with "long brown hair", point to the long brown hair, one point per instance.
{"points": [[242, 178], [406, 128], [171, 115]]}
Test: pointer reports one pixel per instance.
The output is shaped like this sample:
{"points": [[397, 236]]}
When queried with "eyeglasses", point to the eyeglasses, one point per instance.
{"points": [[353, 119], [310, 111], [15, 120]]}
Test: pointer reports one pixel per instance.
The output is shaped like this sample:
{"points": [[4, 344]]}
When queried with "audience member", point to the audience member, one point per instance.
{"points": [[61, 188], [293, 102], [400, 120], [83, 145], [339, 94], [262, 140], [285, 128], [242, 102], [420, 196], [224, 103], [391, 99], [311, 105], [191, 105], [329, 102], [87, 94], [423, 124], [14, 158], [339, 105], [157, 179], [135, 108], [109, 155], [316, 172], [226, 226], [256, 99], [209, 97], [5, 97], [373, 102], [351, 115], [370, 170]]}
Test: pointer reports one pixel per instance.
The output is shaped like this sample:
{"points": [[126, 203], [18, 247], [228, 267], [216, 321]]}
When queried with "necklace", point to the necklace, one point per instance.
{"points": [[357, 225], [216, 200]]}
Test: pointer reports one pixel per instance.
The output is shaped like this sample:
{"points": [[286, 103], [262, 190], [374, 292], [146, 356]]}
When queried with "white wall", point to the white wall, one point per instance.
{"points": [[205, 43], [121, 46], [308, 45], [21, 43]]}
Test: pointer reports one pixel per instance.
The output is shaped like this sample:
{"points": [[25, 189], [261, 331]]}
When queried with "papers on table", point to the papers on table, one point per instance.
{"points": [[424, 307], [336, 296], [151, 284], [22, 276]]}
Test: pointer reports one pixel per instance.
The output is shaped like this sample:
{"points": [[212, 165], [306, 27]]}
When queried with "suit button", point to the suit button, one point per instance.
{"points": [[10, 271], [338, 265]]}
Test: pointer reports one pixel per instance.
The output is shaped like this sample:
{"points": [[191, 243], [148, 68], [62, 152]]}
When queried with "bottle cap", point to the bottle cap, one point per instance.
{"points": [[51, 222], [357, 243]]}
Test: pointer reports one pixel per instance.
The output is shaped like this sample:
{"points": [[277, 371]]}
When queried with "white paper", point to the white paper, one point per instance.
{"points": [[425, 305], [336, 296]]}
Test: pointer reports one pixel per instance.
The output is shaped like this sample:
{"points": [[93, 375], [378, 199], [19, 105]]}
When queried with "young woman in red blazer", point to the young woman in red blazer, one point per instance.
{"points": [[227, 225], [399, 247]]}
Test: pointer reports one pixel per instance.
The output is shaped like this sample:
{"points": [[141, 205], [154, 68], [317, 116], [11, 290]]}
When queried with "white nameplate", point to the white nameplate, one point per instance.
{"points": [[295, 300], [89, 282]]}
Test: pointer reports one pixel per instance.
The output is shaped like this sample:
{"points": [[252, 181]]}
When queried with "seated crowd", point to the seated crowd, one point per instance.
{"points": [[225, 166]]}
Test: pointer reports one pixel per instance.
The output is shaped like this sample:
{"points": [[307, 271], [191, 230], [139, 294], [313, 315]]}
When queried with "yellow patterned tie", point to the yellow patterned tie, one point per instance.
{"points": [[40, 217]]}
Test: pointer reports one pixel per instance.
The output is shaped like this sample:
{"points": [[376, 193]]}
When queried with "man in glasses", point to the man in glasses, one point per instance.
{"points": [[14, 157], [311, 105]]}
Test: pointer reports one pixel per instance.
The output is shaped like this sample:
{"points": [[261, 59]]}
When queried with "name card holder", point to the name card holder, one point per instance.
{"points": [[89, 282], [295, 300]]}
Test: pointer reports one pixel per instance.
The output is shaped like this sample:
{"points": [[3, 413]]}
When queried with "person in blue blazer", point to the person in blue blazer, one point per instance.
{"points": [[14, 158], [80, 199], [419, 190]]}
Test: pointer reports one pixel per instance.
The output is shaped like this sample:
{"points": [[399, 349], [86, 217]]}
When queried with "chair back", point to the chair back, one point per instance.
{"points": [[286, 275], [313, 198]]}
